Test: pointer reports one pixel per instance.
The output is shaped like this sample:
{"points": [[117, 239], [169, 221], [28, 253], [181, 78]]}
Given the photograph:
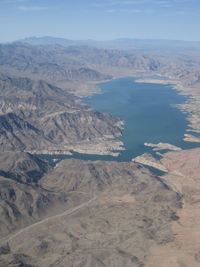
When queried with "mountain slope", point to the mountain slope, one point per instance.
{"points": [[39, 117], [123, 211], [22, 167], [61, 65], [22, 200]]}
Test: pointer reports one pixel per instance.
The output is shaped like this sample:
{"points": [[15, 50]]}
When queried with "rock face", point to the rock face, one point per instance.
{"points": [[36, 116], [114, 213]]}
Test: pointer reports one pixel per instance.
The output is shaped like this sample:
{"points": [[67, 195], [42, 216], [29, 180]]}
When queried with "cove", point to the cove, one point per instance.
{"points": [[148, 112]]}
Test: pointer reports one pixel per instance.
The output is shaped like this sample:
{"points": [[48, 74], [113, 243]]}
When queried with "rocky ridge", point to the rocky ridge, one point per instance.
{"points": [[37, 116], [105, 213], [67, 67]]}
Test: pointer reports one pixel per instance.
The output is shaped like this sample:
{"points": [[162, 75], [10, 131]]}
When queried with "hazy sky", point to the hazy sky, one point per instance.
{"points": [[100, 19]]}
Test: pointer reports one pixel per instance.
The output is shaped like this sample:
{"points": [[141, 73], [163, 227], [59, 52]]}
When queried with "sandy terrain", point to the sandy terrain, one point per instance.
{"points": [[185, 250]]}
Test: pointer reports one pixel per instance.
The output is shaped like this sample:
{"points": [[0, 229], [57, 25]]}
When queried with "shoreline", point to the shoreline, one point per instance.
{"points": [[101, 148], [113, 148], [191, 107]]}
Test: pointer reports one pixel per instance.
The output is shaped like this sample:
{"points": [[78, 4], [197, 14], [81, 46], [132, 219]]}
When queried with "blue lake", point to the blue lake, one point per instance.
{"points": [[148, 112]]}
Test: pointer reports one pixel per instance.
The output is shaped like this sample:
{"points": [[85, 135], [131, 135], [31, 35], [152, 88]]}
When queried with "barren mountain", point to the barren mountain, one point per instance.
{"points": [[22, 200], [36, 116], [63, 65], [122, 210], [22, 167], [69, 66]]}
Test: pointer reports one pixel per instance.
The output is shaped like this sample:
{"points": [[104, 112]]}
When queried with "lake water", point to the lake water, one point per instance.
{"points": [[148, 112]]}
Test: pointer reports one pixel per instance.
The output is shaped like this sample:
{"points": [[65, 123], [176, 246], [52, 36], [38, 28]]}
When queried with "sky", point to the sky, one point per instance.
{"points": [[100, 19]]}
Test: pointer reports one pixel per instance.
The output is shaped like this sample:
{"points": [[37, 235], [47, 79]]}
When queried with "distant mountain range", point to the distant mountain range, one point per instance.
{"points": [[121, 43], [73, 64]]}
